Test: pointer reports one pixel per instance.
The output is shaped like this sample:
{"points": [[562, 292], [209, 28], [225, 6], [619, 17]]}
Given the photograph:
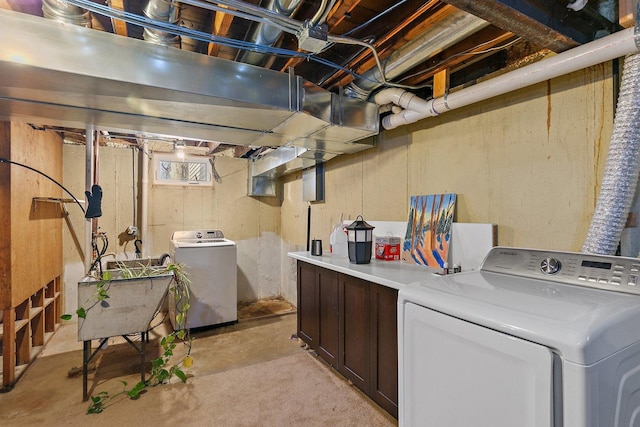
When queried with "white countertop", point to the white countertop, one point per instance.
{"points": [[393, 274]]}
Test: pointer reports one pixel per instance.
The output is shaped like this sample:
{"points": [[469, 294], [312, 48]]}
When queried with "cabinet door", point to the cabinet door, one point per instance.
{"points": [[328, 337], [355, 338], [308, 326], [384, 347]]}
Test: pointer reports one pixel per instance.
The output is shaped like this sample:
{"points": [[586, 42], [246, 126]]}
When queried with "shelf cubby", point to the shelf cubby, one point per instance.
{"points": [[27, 327]]}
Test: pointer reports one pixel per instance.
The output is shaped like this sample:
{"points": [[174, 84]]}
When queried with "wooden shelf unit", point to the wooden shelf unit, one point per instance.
{"points": [[27, 327], [31, 250]]}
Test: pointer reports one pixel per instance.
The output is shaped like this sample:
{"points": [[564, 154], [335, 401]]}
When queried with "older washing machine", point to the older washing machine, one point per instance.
{"points": [[210, 261], [533, 338]]}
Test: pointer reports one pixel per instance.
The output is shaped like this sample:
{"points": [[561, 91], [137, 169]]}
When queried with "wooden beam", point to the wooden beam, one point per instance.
{"points": [[8, 347], [5, 216], [465, 53], [340, 11], [540, 27], [627, 12], [119, 27], [221, 25], [365, 60], [441, 83]]}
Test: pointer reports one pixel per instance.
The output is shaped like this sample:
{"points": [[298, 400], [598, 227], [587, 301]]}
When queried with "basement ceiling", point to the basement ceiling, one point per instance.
{"points": [[345, 48]]}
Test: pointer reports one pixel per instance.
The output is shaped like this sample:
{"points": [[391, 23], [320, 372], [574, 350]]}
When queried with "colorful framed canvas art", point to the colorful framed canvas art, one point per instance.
{"points": [[428, 235]]}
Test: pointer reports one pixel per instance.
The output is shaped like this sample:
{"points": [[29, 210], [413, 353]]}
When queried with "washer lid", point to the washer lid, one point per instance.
{"points": [[202, 243], [584, 325]]}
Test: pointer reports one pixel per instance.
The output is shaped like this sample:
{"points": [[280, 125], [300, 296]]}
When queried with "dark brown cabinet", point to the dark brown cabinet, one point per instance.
{"points": [[352, 324], [308, 318], [355, 338], [384, 355], [318, 310], [328, 311]]}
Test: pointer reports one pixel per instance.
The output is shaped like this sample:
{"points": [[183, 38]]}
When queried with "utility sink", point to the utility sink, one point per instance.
{"points": [[131, 303]]}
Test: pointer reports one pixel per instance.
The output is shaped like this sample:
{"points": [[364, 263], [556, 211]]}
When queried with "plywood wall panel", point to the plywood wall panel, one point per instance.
{"points": [[36, 230], [115, 179], [5, 217]]}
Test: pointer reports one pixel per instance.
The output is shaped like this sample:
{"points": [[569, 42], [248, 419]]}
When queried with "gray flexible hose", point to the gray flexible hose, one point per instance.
{"points": [[622, 168]]}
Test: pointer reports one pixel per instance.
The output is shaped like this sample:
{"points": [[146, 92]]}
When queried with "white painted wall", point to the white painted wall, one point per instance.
{"points": [[530, 162], [252, 223]]}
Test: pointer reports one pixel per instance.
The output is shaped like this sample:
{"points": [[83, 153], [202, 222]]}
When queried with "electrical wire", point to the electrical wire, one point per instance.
{"points": [[323, 11], [186, 32], [249, 12], [463, 53], [287, 10], [383, 80], [99, 253], [375, 18], [238, 44], [248, 8], [3, 160], [261, 15]]}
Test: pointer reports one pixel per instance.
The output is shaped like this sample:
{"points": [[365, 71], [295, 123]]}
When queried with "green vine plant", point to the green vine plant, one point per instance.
{"points": [[161, 370]]}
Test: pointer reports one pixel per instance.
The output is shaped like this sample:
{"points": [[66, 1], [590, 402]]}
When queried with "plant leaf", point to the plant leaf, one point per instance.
{"points": [[181, 375], [188, 361], [81, 312], [134, 393], [66, 317]]}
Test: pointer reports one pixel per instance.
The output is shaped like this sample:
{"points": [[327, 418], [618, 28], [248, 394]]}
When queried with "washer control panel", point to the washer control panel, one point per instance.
{"points": [[596, 271], [197, 235]]}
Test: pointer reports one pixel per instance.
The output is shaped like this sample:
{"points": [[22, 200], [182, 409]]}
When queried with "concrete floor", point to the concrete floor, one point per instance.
{"points": [[265, 332], [258, 336]]}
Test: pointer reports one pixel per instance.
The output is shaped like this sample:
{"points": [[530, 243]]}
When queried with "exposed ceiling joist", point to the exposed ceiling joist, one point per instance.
{"points": [[221, 25], [548, 24], [510, 31], [119, 26]]}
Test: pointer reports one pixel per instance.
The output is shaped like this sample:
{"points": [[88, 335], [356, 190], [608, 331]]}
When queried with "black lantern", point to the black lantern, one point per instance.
{"points": [[360, 239]]}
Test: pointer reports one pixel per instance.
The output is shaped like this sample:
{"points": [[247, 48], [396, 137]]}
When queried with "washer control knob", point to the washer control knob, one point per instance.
{"points": [[550, 265]]}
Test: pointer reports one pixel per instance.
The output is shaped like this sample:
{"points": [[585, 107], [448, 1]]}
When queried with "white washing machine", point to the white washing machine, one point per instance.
{"points": [[533, 338], [210, 261]]}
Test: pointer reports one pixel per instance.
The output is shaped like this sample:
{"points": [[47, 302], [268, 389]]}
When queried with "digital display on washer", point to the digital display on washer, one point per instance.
{"points": [[597, 264]]}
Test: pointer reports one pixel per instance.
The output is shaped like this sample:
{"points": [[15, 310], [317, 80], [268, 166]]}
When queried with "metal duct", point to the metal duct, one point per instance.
{"points": [[179, 94], [165, 11], [61, 11], [457, 26], [622, 168], [265, 34]]}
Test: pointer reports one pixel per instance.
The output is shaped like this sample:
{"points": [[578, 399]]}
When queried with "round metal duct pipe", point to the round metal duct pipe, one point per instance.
{"points": [[265, 34], [457, 26], [61, 11], [165, 11]]}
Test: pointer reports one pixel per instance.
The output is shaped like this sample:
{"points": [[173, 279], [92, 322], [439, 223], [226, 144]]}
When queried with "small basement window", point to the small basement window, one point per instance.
{"points": [[188, 171]]}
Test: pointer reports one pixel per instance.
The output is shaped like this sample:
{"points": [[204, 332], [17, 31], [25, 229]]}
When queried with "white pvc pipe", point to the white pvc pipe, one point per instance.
{"points": [[605, 49]]}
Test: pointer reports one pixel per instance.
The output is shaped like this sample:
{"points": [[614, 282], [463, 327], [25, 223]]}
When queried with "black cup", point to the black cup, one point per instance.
{"points": [[316, 247]]}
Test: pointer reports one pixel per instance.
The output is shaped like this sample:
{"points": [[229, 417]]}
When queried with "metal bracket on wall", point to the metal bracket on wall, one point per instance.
{"points": [[65, 214]]}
